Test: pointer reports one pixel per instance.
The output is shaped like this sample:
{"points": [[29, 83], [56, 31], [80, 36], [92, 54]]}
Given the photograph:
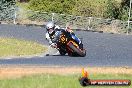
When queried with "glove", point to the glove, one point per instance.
{"points": [[54, 45], [69, 30]]}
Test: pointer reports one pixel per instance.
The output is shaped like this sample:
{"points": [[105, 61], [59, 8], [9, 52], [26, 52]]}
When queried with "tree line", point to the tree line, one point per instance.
{"points": [[113, 9]]}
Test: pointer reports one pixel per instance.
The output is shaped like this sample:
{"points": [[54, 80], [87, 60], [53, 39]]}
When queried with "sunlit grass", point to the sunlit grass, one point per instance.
{"points": [[14, 47], [58, 81]]}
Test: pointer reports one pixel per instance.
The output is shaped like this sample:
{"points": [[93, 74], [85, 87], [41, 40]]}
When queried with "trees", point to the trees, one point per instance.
{"points": [[124, 9], [95, 8], [83, 8], [58, 6], [6, 9], [113, 9], [102, 8]]}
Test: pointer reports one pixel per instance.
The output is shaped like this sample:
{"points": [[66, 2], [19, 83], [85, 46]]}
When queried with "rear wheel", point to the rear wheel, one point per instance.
{"points": [[81, 53]]}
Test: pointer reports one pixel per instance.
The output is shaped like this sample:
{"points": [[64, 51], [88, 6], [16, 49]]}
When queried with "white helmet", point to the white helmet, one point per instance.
{"points": [[50, 26]]}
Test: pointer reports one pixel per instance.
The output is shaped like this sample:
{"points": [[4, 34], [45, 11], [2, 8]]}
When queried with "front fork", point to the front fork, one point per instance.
{"points": [[76, 38]]}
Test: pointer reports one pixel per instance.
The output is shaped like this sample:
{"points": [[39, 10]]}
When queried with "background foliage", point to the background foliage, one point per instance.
{"points": [[113, 9], [7, 8], [57, 6]]}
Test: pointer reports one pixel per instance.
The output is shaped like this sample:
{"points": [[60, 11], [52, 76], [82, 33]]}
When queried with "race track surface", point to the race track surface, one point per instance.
{"points": [[103, 49]]}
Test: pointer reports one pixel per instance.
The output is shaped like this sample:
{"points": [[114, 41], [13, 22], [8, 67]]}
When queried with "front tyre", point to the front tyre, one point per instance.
{"points": [[80, 52]]}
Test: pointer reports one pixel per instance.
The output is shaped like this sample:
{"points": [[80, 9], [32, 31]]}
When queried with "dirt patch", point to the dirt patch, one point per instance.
{"points": [[26, 21], [14, 72]]}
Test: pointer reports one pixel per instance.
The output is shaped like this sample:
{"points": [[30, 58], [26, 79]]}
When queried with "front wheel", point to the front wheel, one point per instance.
{"points": [[80, 52]]}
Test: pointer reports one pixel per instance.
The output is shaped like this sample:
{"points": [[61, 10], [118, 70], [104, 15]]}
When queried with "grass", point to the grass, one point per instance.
{"points": [[14, 47], [58, 81]]}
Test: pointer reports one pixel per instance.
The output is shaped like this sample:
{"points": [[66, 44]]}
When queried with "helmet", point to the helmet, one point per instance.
{"points": [[50, 26]]}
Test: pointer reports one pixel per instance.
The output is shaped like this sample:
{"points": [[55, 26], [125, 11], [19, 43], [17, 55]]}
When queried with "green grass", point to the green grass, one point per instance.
{"points": [[14, 47], [58, 81]]}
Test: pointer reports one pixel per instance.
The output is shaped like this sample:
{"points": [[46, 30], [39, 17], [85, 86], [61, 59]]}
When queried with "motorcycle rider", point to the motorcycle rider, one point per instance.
{"points": [[50, 34], [52, 30]]}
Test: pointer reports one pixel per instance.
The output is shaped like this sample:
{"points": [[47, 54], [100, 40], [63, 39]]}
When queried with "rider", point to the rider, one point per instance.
{"points": [[50, 28], [51, 33]]}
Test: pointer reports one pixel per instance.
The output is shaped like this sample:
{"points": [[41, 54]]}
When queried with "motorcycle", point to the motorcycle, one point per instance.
{"points": [[69, 43]]}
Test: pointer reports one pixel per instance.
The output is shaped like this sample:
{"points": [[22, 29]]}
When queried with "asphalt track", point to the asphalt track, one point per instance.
{"points": [[103, 49]]}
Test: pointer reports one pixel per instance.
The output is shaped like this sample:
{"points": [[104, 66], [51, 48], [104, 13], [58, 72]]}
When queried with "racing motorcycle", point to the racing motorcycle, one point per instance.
{"points": [[69, 43]]}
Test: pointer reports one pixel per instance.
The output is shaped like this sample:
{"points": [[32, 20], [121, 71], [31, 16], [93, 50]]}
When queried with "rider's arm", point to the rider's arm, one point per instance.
{"points": [[68, 29], [51, 43], [48, 38]]}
